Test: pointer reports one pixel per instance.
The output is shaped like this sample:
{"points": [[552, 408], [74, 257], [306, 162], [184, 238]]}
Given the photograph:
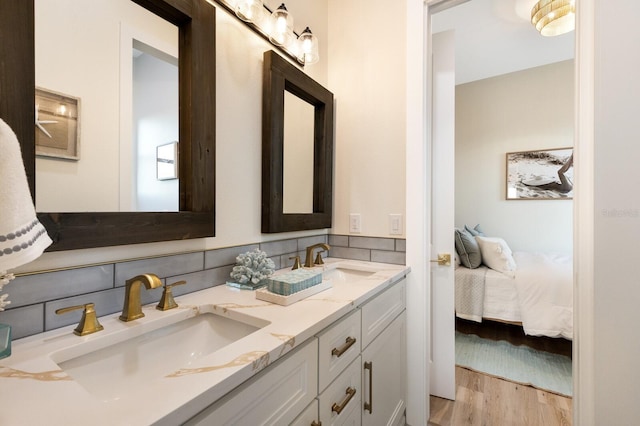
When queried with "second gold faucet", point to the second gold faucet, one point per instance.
{"points": [[308, 261]]}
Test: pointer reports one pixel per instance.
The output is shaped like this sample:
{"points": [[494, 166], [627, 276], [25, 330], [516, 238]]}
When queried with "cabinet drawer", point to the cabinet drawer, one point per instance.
{"points": [[337, 396], [338, 346], [381, 311], [308, 416], [274, 397]]}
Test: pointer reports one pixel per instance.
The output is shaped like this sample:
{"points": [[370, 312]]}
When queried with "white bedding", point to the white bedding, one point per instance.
{"points": [[544, 284], [539, 295]]}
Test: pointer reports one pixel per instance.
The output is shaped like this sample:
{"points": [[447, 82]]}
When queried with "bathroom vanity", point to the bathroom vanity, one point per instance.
{"points": [[225, 357]]}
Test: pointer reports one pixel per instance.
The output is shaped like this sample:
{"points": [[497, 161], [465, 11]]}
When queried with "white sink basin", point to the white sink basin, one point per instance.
{"points": [[343, 275], [120, 368]]}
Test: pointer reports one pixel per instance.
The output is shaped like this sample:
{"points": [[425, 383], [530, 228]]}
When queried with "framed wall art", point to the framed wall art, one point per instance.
{"points": [[540, 175], [57, 125], [167, 161]]}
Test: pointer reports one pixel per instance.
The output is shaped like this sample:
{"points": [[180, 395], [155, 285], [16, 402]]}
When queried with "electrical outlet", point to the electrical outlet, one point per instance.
{"points": [[395, 224], [355, 225]]}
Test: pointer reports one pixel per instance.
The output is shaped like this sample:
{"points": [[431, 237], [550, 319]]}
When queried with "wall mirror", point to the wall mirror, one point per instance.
{"points": [[195, 22], [297, 149]]}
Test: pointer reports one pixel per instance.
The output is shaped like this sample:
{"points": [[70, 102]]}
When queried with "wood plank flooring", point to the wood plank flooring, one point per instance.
{"points": [[483, 400], [489, 401]]}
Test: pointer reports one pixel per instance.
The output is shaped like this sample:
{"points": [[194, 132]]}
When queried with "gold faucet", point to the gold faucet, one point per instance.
{"points": [[132, 309], [308, 261]]}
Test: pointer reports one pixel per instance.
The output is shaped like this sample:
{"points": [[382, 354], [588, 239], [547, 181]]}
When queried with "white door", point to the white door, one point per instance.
{"points": [[442, 368]]}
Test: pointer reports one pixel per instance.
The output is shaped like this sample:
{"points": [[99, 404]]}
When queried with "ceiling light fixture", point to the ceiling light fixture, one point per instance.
{"points": [[553, 17]]}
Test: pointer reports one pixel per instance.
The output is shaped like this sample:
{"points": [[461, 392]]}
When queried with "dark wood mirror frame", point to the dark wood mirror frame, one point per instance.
{"points": [[280, 76], [196, 218]]}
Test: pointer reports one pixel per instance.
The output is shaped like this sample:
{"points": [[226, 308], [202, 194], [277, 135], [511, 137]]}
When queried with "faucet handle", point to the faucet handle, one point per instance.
{"points": [[167, 301], [89, 322], [296, 262], [319, 260]]}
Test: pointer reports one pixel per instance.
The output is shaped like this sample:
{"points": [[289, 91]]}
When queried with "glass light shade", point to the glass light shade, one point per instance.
{"points": [[553, 17], [308, 48], [281, 31], [249, 10]]}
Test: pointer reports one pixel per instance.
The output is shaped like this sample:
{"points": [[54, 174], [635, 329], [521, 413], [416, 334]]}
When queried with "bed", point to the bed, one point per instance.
{"points": [[536, 291]]}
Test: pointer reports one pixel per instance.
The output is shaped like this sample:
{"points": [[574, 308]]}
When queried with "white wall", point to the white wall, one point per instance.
{"points": [[238, 142], [522, 111], [616, 213], [366, 74]]}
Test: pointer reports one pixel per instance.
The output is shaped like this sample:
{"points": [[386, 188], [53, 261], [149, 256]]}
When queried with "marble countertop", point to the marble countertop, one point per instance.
{"points": [[35, 390]]}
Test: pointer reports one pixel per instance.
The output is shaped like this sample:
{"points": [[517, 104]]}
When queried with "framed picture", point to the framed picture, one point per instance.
{"points": [[57, 125], [167, 161], [540, 175]]}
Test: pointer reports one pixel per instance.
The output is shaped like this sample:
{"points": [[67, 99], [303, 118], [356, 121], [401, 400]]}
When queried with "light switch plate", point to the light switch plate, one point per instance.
{"points": [[355, 224], [395, 224]]}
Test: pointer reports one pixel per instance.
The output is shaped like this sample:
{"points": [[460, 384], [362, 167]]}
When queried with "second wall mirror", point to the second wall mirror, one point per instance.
{"points": [[297, 149]]}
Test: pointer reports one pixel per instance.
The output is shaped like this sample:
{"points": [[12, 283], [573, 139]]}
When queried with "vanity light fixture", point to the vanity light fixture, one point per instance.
{"points": [[553, 17], [308, 48], [275, 26], [250, 10], [281, 31]]}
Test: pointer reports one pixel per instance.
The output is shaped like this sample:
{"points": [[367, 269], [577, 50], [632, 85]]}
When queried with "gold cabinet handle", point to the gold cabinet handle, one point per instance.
{"points": [[369, 405], [443, 259], [314, 423], [88, 323], [338, 408], [167, 301], [347, 344]]}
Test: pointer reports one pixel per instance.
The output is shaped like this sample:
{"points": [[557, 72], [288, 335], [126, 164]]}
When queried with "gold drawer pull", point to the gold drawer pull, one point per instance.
{"points": [[314, 423], [369, 405], [338, 408], [347, 344]]}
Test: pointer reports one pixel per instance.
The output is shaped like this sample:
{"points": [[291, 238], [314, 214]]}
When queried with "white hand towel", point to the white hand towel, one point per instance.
{"points": [[22, 236]]}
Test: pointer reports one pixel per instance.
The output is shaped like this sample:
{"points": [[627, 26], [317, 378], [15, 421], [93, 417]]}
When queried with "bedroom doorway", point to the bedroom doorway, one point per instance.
{"points": [[495, 223]]}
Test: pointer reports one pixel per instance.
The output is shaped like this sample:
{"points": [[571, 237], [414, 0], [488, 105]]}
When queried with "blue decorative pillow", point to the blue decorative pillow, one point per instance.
{"points": [[476, 231], [468, 249]]}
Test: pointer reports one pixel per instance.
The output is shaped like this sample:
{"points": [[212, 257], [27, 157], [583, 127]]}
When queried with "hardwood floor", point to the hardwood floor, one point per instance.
{"points": [[488, 401]]}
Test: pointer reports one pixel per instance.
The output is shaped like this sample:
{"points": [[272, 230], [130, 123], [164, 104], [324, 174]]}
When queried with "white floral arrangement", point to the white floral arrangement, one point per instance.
{"points": [[252, 267], [4, 280]]}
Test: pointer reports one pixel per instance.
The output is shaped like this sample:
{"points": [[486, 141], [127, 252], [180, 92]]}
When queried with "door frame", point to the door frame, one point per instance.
{"points": [[418, 143]]}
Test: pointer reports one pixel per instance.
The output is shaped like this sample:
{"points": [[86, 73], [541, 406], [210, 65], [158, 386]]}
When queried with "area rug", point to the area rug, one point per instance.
{"points": [[520, 364]]}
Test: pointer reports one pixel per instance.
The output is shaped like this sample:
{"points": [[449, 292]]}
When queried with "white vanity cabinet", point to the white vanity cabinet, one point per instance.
{"points": [[379, 367], [384, 377], [351, 373], [384, 358], [274, 397]]}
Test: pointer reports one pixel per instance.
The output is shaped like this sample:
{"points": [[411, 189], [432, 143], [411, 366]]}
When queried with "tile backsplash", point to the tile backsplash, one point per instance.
{"points": [[35, 297]]}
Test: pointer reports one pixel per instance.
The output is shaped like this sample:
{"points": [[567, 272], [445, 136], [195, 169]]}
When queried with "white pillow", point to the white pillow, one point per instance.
{"points": [[497, 255]]}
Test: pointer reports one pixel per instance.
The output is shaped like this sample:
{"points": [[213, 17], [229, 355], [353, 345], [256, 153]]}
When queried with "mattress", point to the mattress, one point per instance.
{"points": [[500, 299]]}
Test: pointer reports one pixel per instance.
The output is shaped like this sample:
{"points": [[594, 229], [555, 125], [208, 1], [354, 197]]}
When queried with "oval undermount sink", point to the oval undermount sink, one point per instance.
{"points": [[120, 368], [344, 275]]}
